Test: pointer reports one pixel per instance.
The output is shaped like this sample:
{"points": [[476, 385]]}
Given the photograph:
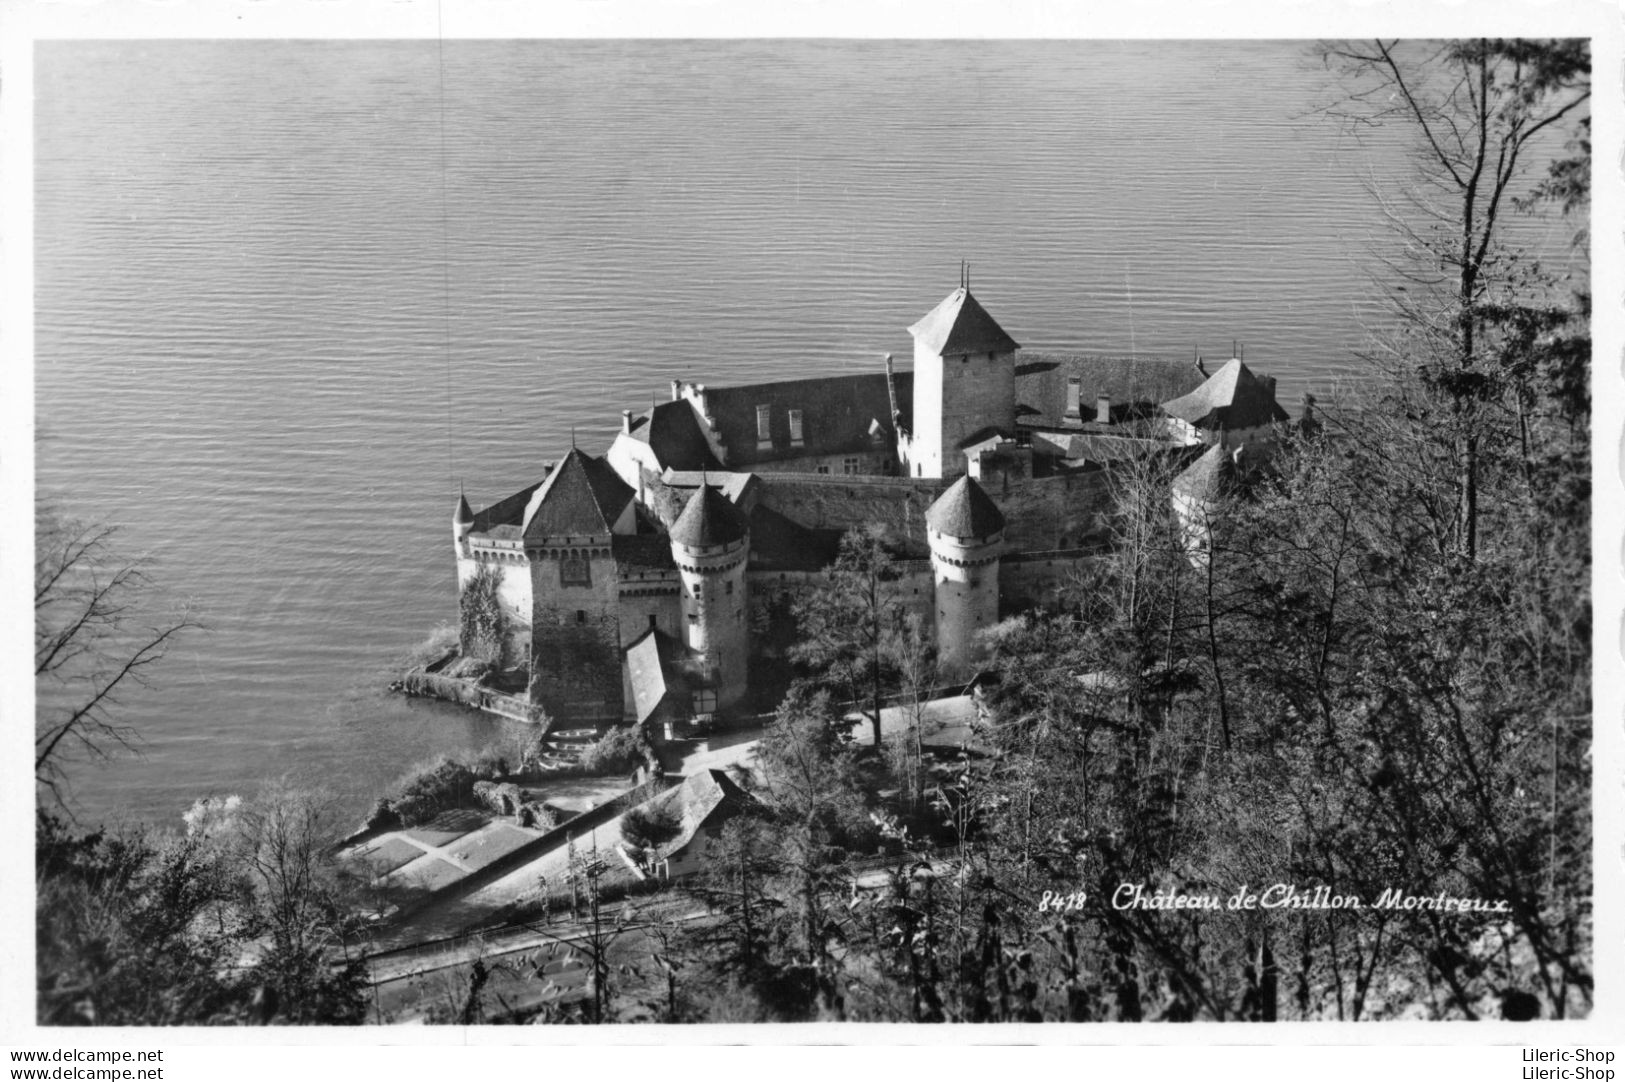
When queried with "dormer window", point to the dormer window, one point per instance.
{"points": [[764, 431], [795, 428]]}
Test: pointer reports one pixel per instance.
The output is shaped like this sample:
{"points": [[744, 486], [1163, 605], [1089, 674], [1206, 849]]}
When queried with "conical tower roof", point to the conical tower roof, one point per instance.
{"points": [[465, 513], [961, 325], [965, 511], [709, 520]]}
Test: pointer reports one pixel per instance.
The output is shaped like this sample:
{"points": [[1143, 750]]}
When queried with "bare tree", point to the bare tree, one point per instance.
{"points": [[1476, 109], [92, 641], [845, 627]]}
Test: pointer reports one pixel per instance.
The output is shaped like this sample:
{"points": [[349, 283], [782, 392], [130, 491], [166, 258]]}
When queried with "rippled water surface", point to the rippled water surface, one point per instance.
{"points": [[290, 295]]}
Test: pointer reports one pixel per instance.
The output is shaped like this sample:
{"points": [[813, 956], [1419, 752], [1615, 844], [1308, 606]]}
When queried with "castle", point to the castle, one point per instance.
{"points": [[648, 584]]}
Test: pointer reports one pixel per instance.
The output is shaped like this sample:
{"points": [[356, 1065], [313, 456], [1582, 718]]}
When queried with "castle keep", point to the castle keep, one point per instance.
{"points": [[644, 582]]}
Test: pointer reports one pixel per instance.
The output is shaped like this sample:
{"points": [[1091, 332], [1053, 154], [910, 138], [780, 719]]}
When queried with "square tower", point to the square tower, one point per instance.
{"points": [[964, 383]]}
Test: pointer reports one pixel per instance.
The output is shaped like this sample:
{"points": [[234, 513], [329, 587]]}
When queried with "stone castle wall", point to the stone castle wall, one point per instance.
{"points": [[575, 661], [1042, 514]]}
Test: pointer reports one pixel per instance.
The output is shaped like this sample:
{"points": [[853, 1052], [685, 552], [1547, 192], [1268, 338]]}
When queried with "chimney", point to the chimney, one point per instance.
{"points": [[1269, 385], [1200, 367], [626, 420], [1074, 409], [1103, 410], [676, 389], [698, 390]]}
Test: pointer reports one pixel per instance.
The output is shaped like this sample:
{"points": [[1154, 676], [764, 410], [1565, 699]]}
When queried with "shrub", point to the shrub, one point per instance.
{"points": [[537, 816], [619, 751], [489, 765], [383, 815], [482, 626], [649, 826], [441, 641], [468, 668], [423, 794]]}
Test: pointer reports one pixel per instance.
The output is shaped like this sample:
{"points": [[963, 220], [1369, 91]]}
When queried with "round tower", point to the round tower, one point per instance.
{"points": [[461, 522], [710, 542], [965, 529]]}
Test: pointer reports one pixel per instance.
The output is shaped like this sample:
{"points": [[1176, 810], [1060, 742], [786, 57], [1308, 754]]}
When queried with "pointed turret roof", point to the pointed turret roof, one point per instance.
{"points": [[582, 495], [465, 513], [1233, 397], [965, 511], [961, 325], [710, 519]]}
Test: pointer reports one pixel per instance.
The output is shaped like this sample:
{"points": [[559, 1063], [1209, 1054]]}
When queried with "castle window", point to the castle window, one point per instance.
{"points": [[581, 616], [575, 570], [764, 433], [729, 587], [795, 428], [705, 701], [823, 469], [653, 622], [849, 466]]}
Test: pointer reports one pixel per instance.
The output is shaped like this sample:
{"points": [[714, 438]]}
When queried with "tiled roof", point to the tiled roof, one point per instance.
{"points": [[505, 512], [1231, 398], [729, 483], [652, 671], [982, 438], [705, 797], [709, 520], [961, 325], [1095, 447], [583, 495], [778, 543], [836, 415], [673, 432], [646, 552], [1135, 385], [1206, 478], [965, 511]]}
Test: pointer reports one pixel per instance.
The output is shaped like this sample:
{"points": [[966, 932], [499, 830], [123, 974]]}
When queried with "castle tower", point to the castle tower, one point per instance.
{"points": [[964, 383], [965, 529], [461, 522], [569, 533], [710, 542]]}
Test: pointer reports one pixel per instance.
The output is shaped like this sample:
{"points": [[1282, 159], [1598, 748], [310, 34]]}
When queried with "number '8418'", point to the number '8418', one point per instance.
{"points": [[1061, 901]]}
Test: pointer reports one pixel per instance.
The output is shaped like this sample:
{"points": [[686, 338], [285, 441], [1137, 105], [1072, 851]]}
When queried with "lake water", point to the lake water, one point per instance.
{"points": [[290, 295]]}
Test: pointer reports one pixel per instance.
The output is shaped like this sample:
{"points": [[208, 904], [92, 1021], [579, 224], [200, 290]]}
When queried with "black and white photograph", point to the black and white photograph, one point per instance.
{"points": [[697, 532]]}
